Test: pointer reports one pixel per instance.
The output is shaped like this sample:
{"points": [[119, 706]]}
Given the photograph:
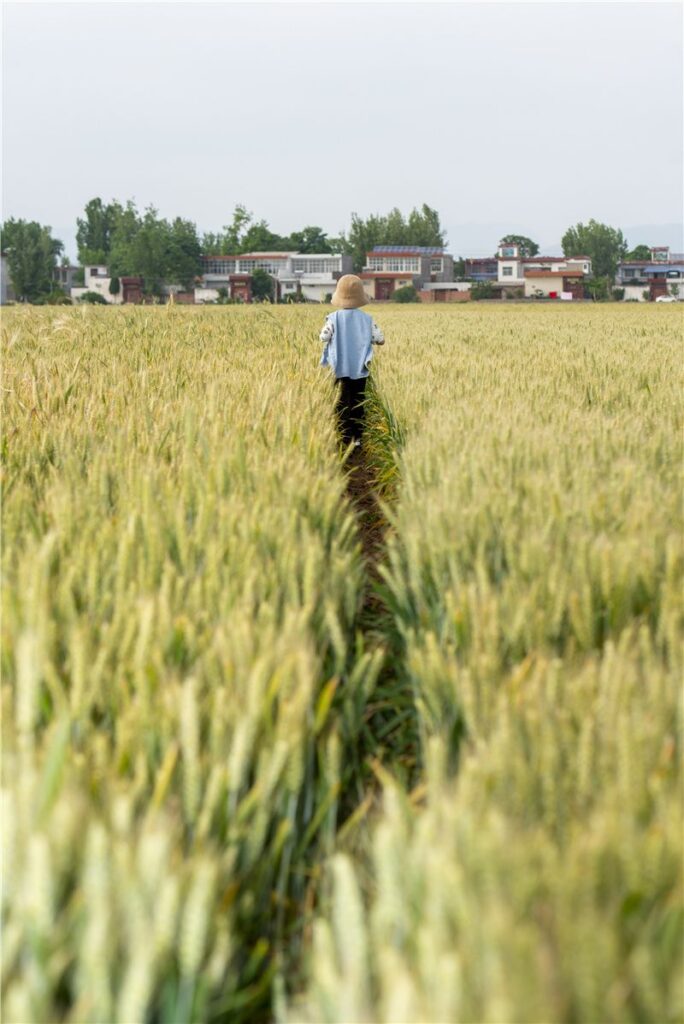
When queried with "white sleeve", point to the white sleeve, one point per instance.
{"points": [[328, 331], [377, 337]]}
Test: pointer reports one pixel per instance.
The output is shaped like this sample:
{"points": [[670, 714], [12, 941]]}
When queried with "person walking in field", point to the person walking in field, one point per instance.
{"points": [[349, 335]]}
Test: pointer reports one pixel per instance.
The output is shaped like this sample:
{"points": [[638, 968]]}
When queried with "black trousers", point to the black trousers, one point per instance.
{"points": [[350, 411]]}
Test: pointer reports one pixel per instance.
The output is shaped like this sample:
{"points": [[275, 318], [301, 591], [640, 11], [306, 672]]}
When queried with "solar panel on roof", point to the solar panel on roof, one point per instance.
{"points": [[427, 250]]}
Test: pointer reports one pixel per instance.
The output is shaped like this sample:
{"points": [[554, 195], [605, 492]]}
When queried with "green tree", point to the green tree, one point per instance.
{"points": [[233, 233], [148, 251], [182, 261], [309, 239], [482, 290], [262, 285], [31, 256], [605, 246], [528, 248], [94, 231], [114, 286], [599, 288], [640, 252], [422, 228], [153, 248], [212, 243], [127, 224], [259, 238], [244, 234]]}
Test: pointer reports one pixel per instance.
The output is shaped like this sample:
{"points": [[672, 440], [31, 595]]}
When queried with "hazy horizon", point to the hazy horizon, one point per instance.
{"points": [[504, 117]]}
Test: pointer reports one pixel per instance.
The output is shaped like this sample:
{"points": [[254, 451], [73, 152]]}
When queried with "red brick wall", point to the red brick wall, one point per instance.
{"points": [[445, 295]]}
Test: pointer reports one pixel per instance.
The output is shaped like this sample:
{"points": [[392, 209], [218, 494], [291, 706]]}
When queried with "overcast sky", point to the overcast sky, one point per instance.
{"points": [[525, 117]]}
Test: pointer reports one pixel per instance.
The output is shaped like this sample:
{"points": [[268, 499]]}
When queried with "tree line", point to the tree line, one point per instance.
{"points": [[130, 242]]}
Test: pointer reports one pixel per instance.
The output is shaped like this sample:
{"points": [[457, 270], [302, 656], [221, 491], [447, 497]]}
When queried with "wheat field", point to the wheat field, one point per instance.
{"points": [[230, 793]]}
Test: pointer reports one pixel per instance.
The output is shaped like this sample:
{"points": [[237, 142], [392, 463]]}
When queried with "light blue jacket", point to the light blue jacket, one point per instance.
{"points": [[349, 335]]}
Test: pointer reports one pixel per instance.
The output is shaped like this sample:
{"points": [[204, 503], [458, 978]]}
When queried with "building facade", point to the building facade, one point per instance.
{"points": [[646, 280], [446, 291], [389, 267], [6, 289], [98, 279], [540, 276], [512, 266], [480, 270], [311, 275]]}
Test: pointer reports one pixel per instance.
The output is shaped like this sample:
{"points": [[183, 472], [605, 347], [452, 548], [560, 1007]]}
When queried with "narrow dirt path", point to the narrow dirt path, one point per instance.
{"points": [[361, 491], [391, 714]]}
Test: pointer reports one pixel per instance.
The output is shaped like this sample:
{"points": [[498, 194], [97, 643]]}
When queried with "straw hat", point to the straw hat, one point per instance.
{"points": [[349, 293]]}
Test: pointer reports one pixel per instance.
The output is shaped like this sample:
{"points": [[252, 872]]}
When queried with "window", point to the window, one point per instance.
{"points": [[508, 250], [507, 271], [398, 264], [436, 266], [306, 265], [270, 266], [219, 266]]}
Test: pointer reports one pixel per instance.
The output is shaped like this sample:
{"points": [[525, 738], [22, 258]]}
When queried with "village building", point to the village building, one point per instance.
{"points": [[446, 291], [554, 283], [312, 275], [553, 277], [389, 267], [6, 289], [477, 269], [98, 279], [646, 280]]}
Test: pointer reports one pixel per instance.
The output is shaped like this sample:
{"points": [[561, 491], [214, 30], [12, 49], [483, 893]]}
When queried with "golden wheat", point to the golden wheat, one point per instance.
{"points": [[185, 684]]}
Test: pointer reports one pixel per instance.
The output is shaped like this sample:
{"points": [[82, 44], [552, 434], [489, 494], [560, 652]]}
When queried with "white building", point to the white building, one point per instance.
{"points": [[97, 279], [314, 274], [6, 290], [512, 266]]}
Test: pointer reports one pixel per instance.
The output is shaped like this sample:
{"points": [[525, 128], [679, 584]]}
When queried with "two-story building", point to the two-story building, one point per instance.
{"points": [[645, 280], [389, 267], [313, 275], [540, 276]]}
